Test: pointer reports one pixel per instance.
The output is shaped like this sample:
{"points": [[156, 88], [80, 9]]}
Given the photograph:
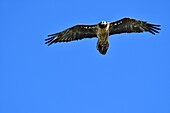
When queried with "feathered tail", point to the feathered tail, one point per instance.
{"points": [[102, 48]]}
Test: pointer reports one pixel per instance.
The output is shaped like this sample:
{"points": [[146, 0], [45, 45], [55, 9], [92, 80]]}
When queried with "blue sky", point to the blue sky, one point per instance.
{"points": [[133, 77]]}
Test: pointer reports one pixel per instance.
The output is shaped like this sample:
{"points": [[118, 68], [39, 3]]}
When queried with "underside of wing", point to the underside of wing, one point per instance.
{"points": [[77, 32], [128, 25]]}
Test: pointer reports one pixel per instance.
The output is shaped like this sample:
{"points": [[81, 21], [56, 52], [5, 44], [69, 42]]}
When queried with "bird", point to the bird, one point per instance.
{"points": [[102, 31]]}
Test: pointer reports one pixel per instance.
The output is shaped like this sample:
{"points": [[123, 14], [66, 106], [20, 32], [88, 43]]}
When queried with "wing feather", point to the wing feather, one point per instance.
{"points": [[128, 25], [77, 32]]}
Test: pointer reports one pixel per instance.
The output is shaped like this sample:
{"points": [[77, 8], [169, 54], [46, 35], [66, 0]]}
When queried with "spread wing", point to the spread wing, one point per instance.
{"points": [[128, 25], [77, 32]]}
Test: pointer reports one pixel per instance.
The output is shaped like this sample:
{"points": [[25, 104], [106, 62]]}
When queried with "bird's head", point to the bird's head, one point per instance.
{"points": [[103, 24]]}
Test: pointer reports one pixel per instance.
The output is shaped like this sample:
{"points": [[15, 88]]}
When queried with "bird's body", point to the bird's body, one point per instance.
{"points": [[102, 34], [102, 31]]}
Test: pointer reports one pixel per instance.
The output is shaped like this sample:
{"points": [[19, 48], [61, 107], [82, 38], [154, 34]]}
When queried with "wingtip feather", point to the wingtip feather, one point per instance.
{"points": [[153, 28], [50, 40]]}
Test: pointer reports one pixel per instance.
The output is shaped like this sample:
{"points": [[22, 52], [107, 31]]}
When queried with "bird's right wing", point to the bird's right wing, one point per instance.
{"points": [[77, 32]]}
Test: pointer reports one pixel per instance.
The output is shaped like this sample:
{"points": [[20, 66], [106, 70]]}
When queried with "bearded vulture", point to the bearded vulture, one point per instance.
{"points": [[102, 31]]}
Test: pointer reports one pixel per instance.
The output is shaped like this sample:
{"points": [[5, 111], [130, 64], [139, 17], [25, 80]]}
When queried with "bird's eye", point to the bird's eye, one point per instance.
{"points": [[103, 22]]}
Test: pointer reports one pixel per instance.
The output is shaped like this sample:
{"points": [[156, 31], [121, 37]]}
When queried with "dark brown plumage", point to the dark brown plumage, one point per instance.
{"points": [[128, 25], [77, 32]]}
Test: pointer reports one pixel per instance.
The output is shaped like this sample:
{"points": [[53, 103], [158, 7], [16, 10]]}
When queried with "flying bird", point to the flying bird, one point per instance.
{"points": [[102, 31]]}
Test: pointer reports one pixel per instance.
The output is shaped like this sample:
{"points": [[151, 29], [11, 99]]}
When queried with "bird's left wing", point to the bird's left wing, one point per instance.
{"points": [[129, 25], [77, 32]]}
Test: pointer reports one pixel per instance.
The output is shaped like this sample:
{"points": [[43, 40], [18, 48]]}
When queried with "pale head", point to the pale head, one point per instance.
{"points": [[103, 24]]}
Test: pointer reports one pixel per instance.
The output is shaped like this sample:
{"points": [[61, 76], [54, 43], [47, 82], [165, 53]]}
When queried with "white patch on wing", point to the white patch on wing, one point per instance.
{"points": [[119, 22]]}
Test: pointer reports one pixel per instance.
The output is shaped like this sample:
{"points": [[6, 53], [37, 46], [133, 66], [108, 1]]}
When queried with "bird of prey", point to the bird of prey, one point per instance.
{"points": [[102, 31]]}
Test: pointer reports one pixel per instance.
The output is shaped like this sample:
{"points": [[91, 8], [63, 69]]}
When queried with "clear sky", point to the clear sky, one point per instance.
{"points": [[133, 77]]}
